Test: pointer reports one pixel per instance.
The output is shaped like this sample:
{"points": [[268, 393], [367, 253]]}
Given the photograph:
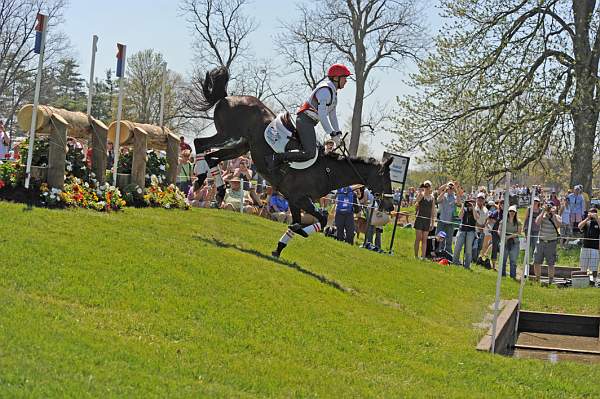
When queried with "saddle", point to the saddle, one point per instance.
{"points": [[286, 120]]}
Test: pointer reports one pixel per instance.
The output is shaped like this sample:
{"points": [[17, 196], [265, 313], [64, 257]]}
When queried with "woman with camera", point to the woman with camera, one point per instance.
{"points": [[590, 254], [466, 234], [424, 222], [511, 246]]}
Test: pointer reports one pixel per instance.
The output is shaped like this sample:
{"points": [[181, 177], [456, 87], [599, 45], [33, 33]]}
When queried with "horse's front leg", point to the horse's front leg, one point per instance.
{"points": [[289, 234]]}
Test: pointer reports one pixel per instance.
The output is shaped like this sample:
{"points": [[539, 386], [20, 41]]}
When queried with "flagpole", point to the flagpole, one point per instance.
{"points": [[36, 97], [116, 144], [162, 94], [91, 89]]}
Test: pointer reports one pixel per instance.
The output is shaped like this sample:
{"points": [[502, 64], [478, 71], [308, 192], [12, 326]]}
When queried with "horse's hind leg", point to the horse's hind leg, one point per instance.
{"points": [[219, 140]]}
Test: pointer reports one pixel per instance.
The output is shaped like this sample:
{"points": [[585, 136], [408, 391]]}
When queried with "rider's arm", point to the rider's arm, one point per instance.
{"points": [[334, 121], [323, 98]]}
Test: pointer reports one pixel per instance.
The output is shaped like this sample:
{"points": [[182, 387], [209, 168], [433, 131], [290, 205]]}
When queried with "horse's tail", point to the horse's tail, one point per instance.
{"points": [[214, 87]]}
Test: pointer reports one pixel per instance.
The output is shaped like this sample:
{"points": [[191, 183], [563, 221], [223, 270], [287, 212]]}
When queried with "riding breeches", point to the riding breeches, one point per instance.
{"points": [[308, 140]]}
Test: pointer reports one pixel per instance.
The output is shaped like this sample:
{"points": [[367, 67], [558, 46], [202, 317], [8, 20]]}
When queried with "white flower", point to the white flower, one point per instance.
{"points": [[58, 199], [92, 175], [83, 167], [102, 203], [86, 185], [162, 167], [139, 190], [69, 168], [167, 206], [147, 176]]}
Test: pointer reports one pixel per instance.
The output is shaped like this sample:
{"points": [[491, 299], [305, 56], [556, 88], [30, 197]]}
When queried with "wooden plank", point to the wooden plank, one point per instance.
{"points": [[138, 164], [562, 324], [172, 157], [557, 349], [57, 154], [505, 329], [99, 150]]}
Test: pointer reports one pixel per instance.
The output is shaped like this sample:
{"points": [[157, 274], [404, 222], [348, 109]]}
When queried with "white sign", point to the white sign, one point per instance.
{"points": [[398, 168]]}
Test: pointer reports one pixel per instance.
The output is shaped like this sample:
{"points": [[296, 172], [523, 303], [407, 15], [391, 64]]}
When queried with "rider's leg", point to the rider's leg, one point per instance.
{"points": [[308, 140], [307, 204]]}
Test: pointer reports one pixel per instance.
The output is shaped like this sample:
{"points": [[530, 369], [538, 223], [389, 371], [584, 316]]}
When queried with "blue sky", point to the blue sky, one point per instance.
{"points": [[158, 24]]}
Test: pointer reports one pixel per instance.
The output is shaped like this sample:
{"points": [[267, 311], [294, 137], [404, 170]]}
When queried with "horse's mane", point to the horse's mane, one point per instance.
{"points": [[355, 160]]}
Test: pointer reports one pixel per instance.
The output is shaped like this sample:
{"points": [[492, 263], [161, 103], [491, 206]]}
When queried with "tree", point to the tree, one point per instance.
{"points": [[143, 91], [368, 34], [510, 83], [17, 59], [68, 86], [104, 95]]}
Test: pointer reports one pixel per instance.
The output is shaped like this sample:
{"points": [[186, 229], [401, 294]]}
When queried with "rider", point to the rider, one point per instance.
{"points": [[319, 107]]}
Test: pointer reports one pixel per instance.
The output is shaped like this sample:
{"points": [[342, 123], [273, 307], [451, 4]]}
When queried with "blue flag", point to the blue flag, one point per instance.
{"points": [[39, 31], [120, 60]]}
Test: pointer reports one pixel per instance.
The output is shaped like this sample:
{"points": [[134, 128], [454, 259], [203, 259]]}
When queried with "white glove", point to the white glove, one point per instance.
{"points": [[336, 137]]}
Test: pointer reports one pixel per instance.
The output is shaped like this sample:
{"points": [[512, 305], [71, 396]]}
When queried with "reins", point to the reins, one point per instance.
{"points": [[346, 155]]}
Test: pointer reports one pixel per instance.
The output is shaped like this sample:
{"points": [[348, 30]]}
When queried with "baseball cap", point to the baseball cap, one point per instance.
{"points": [[441, 234], [512, 208], [491, 203], [536, 199]]}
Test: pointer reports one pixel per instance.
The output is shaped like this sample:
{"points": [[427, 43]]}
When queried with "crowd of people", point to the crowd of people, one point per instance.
{"points": [[460, 228]]}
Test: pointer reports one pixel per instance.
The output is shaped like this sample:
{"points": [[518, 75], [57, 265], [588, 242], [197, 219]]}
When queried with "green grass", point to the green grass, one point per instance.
{"points": [[157, 303]]}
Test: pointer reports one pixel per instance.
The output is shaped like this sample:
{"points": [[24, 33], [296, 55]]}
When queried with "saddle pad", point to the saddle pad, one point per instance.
{"points": [[277, 136]]}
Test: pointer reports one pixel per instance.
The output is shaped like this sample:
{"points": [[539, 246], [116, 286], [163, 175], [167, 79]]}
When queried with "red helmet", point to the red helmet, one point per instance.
{"points": [[337, 70]]}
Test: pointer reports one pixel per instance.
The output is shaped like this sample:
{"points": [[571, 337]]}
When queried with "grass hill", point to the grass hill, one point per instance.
{"points": [[158, 303]]}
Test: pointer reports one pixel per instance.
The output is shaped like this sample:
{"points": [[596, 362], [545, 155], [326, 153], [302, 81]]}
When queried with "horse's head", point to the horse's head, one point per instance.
{"points": [[380, 184]]}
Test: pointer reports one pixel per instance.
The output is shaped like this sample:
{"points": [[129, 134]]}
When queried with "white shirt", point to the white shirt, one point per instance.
{"points": [[323, 102]]}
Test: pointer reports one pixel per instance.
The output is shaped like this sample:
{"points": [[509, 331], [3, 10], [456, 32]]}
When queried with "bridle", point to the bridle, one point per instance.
{"points": [[346, 155]]}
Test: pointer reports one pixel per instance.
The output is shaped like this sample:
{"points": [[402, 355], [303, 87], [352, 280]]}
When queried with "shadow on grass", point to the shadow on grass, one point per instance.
{"points": [[291, 265]]}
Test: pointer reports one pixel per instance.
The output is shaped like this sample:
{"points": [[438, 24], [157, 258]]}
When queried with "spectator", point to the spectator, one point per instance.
{"points": [[511, 246], [201, 193], [447, 202], [184, 172], [554, 199], [577, 206], [565, 226], [243, 173], [4, 142], [183, 145], [346, 207], [487, 239], [535, 229], [424, 222], [589, 255], [481, 213], [548, 221], [279, 208], [110, 159], [366, 199], [466, 234], [397, 196], [236, 197], [497, 216], [436, 247]]}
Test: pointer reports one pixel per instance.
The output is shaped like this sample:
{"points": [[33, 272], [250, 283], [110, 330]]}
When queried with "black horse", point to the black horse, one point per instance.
{"points": [[240, 122]]}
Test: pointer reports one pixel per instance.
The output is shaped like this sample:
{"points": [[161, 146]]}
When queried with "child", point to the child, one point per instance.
{"points": [[440, 248]]}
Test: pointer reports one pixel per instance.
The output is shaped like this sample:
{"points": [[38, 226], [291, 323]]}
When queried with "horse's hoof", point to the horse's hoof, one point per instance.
{"points": [[297, 228], [275, 254]]}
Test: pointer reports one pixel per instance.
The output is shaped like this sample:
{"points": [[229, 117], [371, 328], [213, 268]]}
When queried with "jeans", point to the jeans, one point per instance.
{"points": [[447, 228], [533, 240], [369, 236], [464, 238], [477, 244], [511, 251]]}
